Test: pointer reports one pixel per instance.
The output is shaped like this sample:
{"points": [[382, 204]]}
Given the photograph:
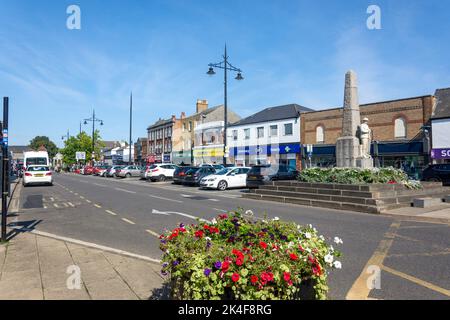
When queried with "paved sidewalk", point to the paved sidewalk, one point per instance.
{"points": [[34, 267], [439, 213]]}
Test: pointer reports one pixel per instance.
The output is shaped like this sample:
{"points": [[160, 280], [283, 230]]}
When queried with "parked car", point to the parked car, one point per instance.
{"points": [[144, 172], [128, 172], [180, 173], [88, 170], [100, 170], [37, 175], [195, 175], [217, 167], [235, 177], [161, 172], [437, 173], [111, 172], [262, 174]]}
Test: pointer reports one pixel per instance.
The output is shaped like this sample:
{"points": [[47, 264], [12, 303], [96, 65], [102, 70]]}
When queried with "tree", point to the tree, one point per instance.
{"points": [[81, 143], [40, 141]]}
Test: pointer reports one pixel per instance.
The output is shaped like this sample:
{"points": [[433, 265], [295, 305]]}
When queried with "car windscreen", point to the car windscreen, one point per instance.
{"points": [[36, 161], [38, 169], [223, 172]]}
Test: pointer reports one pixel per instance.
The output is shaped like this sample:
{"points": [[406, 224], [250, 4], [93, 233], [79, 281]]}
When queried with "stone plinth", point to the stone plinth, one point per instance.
{"points": [[364, 163], [347, 152]]}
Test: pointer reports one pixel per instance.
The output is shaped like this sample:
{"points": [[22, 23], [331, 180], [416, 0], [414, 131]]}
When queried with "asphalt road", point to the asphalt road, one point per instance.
{"points": [[121, 214]]}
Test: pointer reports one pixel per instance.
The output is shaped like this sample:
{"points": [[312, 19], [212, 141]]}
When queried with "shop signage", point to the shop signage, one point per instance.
{"points": [[266, 150], [440, 153], [208, 152]]}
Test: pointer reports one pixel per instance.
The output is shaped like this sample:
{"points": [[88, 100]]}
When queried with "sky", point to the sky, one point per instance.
{"points": [[290, 51]]}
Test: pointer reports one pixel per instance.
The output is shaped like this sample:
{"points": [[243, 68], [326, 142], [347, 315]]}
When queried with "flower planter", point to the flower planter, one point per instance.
{"points": [[238, 258]]}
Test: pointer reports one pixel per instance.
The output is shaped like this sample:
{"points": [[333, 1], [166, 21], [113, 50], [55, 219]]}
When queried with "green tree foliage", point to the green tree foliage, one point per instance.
{"points": [[39, 141], [81, 143]]}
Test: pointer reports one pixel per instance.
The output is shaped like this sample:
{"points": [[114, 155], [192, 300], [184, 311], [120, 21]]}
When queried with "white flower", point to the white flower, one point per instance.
{"points": [[264, 221], [322, 238], [208, 239], [338, 240], [249, 213], [337, 265], [329, 259], [310, 226], [308, 250], [214, 221], [276, 219], [331, 249], [290, 245], [315, 230], [308, 235]]}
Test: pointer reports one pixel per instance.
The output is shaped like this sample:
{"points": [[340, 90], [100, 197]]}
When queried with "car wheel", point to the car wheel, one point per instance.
{"points": [[128, 175], [162, 178], [222, 185]]}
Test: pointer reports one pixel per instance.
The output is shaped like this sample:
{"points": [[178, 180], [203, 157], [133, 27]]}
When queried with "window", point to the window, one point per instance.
{"points": [[288, 129], [190, 126], [247, 134], [184, 126], [235, 135], [400, 128], [320, 134], [260, 132], [274, 131]]}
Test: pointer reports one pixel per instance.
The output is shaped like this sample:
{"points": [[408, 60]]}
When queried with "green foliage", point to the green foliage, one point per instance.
{"points": [[81, 143], [39, 141], [238, 257], [358, 176]]}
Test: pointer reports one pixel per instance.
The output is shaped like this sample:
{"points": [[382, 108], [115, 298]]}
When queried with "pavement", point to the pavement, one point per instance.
{"points": [[125, 216], [440, 213]]}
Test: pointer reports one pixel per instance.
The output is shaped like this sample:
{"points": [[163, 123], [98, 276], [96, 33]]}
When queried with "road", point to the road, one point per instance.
{"points": [[129, 214]]}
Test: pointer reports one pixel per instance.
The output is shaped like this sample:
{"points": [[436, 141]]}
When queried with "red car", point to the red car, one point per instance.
{"points": [[88, 170]]}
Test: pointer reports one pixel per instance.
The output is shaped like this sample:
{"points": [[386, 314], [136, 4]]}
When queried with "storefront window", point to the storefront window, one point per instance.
{"points": [[288, 129]]}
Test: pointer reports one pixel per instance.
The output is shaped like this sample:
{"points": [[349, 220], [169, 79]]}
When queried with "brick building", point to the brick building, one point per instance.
{"points": [[397, 132]]}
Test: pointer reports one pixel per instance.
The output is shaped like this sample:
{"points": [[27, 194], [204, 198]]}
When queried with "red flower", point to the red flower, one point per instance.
{"points": [[254, 279], [301, 248], [293, 257], [267, 277], [206, 227], [287, 276], [199, 234], [214, 230], [240, 261], [225, 266], [316, 269], [223, 216], [235, 277], [263, 245]]}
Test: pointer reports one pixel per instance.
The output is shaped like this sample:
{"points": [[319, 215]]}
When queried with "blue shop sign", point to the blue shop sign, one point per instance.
{"points": [[266, 150]]}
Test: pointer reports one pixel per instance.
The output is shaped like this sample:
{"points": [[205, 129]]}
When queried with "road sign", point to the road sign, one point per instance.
{"points": [[80, 156]]}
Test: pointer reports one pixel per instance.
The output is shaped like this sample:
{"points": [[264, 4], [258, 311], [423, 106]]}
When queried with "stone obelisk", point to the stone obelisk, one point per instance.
{"points": [[347, 146]]}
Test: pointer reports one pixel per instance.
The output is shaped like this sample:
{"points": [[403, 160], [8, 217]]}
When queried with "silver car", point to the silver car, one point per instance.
{"points": [[129, 171], [111, 172]]}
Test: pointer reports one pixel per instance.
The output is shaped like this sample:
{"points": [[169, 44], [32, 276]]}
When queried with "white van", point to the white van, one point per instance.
{"points": [[36, 158]]}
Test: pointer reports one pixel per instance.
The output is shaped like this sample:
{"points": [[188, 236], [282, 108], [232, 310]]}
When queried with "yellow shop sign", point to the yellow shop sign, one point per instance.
{"points": [[208, 152]]}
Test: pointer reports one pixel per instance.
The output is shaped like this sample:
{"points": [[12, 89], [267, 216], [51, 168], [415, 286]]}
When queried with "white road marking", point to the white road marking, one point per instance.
{"points": [[153, 233], [88, 201], [98, 206], [128, 221], [214, 200], [76, 194], [123, 190], [167, 199], [82, 197], [187, 196], [94, 246], [56, 205], [220, 210], [100, 185], [71, 204], [180, 214], [111, 212]]}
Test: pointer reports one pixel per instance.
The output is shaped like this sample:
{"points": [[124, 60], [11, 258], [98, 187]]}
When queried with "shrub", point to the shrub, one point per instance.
{"points": [[238, 257], [358, 176]]}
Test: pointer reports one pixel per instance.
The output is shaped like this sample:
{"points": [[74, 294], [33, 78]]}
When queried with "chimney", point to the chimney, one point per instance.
{"points": [[183, 115], [202, 105]]}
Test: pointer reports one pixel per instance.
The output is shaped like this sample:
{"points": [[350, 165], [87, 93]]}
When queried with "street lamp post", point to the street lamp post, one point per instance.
{"points": [[66, 136], [226, 66], [93, 120]]}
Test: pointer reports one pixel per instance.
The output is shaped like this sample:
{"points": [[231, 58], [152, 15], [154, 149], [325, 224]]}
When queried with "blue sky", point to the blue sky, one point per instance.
{"points": [[291, 51]]}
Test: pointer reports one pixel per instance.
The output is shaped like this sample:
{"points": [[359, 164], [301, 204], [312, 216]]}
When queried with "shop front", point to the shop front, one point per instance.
{"points": [[182, 157], [208, 155], [408, 156], [286, 154]]}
